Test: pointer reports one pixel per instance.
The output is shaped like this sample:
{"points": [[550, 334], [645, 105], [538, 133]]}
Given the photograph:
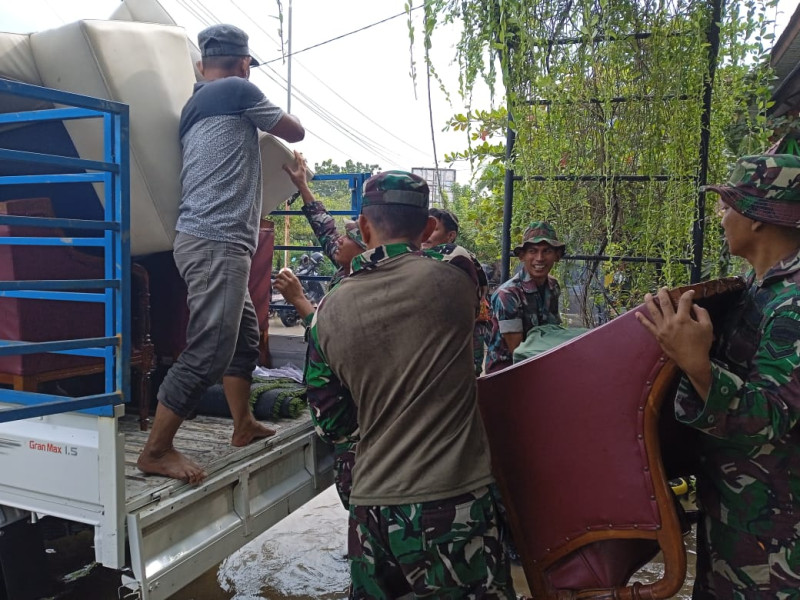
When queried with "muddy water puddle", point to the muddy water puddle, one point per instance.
{"points": [[301, 558]]}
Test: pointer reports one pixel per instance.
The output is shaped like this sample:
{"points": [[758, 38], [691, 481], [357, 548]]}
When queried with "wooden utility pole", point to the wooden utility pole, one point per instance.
{"points": [[288, 110]]}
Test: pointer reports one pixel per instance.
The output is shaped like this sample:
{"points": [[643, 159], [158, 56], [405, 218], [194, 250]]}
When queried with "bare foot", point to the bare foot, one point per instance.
{"points": [[172, 464], [249, 432]]}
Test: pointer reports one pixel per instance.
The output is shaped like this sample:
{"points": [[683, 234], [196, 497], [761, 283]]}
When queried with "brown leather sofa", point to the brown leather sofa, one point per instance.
{"points": [[583, 442]]}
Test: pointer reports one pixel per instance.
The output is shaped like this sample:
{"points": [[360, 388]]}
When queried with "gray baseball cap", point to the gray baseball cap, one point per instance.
{"points": [[224, 40]]}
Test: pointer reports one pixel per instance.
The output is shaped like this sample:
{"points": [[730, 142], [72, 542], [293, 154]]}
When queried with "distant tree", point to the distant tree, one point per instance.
{"points": [[333, 189], [480, 221]]}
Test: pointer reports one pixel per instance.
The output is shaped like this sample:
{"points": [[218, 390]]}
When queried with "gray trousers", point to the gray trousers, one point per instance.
{"points": [[222, 335]]}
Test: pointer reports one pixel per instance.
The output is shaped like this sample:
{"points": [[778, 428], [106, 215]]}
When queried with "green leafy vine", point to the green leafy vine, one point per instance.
{"points": [[598, 91]]}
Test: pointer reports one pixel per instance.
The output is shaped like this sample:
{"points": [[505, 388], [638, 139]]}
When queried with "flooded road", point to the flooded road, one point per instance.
{"points": [[654, 570], [301, 558]]}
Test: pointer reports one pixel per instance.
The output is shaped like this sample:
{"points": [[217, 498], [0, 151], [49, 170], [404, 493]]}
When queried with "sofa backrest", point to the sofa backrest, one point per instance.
{"points": [[147, 67]]}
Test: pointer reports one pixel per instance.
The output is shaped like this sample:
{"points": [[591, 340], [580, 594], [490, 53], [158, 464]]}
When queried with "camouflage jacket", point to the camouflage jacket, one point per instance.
{"points": [[517, 306], [324, 227], [333, 411], [750, 457], [482, 321]]}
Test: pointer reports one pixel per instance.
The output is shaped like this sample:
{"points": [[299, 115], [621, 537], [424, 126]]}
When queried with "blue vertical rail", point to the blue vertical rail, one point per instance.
{"points": [[114, 289]]}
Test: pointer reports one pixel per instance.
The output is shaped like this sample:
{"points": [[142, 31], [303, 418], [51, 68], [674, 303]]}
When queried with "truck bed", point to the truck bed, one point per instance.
{"points": [[177, 531], [82, 468], [205, 440]]}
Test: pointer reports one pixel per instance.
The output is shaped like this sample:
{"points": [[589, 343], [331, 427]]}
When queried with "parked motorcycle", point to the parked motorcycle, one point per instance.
{"points": [[313, 289]]}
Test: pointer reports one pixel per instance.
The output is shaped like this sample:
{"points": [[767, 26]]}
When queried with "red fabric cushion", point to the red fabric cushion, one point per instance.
{"points": [[44, 320]]}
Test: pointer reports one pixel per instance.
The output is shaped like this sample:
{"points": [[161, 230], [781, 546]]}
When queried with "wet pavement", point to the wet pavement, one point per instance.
{"points": [[654, 570], [301, 558]]}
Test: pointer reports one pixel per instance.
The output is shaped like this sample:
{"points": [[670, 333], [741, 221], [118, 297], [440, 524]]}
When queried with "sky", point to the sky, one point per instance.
{"points": [[354, 95], [360, 82]]}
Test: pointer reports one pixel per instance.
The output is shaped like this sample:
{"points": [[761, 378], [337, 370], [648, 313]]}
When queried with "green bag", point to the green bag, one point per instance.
{"points": [[543, 338]]}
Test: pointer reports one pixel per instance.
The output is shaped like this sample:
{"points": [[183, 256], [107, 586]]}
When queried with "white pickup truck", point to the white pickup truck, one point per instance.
{"points": [[159, 533]]}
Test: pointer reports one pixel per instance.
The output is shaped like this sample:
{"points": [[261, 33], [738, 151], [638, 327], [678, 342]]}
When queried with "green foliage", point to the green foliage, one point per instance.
{"points": [[480, 221], [336, 191], [607, 105]]}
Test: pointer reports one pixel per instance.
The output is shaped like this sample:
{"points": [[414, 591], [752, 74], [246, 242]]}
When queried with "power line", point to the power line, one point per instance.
{"points": [[200, 10], [205, 17], [378, 125], [344, 35], [334, 92], [264, 64], [345, 129], [342, 127], [258, 25], [324, 141]]}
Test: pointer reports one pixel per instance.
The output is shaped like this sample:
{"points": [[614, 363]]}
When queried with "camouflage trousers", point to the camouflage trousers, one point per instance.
{"points": [[445, 549], [344, 458], [732, 564]]}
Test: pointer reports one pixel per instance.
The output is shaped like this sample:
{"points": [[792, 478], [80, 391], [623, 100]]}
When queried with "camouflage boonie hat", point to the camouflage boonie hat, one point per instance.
{"points": [[396, 187], [764, 188], [539, 231]]}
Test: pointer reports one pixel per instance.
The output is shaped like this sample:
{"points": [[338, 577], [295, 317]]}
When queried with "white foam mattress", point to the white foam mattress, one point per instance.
{"points": [[147, 66]]}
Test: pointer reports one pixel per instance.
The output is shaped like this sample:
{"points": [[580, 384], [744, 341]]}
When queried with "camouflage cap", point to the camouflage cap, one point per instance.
{"points": [[764, 188], [448, 219], [396, 187], [539, 231], [353, 232]]}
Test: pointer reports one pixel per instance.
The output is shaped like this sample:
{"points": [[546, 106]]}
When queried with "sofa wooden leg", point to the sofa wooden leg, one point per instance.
{"points": [[23, 383], [143, 384]]}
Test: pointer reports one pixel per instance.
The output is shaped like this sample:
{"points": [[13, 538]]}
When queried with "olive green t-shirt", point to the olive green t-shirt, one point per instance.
{"points": [[399, 337]]}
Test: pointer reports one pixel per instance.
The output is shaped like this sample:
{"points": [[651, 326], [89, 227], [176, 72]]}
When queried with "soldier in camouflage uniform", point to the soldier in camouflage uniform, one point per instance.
{"points": [[528, 299], [340, 249], [446, 232], [390, 355], [743, 391]]}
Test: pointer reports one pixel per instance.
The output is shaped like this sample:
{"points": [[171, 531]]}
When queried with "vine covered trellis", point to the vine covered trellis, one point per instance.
{"points": [[614, 127]]}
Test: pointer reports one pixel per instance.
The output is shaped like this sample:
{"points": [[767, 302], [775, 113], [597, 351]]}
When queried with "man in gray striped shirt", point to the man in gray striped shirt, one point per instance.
{"points": [[217, 232]]}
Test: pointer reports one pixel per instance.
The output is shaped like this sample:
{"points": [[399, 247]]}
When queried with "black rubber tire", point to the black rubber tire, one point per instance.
{"points": [[289, 318]]}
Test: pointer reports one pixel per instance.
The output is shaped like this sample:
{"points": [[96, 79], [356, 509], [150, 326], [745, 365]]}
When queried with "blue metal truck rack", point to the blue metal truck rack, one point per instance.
{"points": [[355, 183], [113, 290]]}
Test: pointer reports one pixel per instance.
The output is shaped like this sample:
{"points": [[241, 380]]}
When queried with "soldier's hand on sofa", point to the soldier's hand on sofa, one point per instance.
{"points": [[685, 334], [297, 171]]}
